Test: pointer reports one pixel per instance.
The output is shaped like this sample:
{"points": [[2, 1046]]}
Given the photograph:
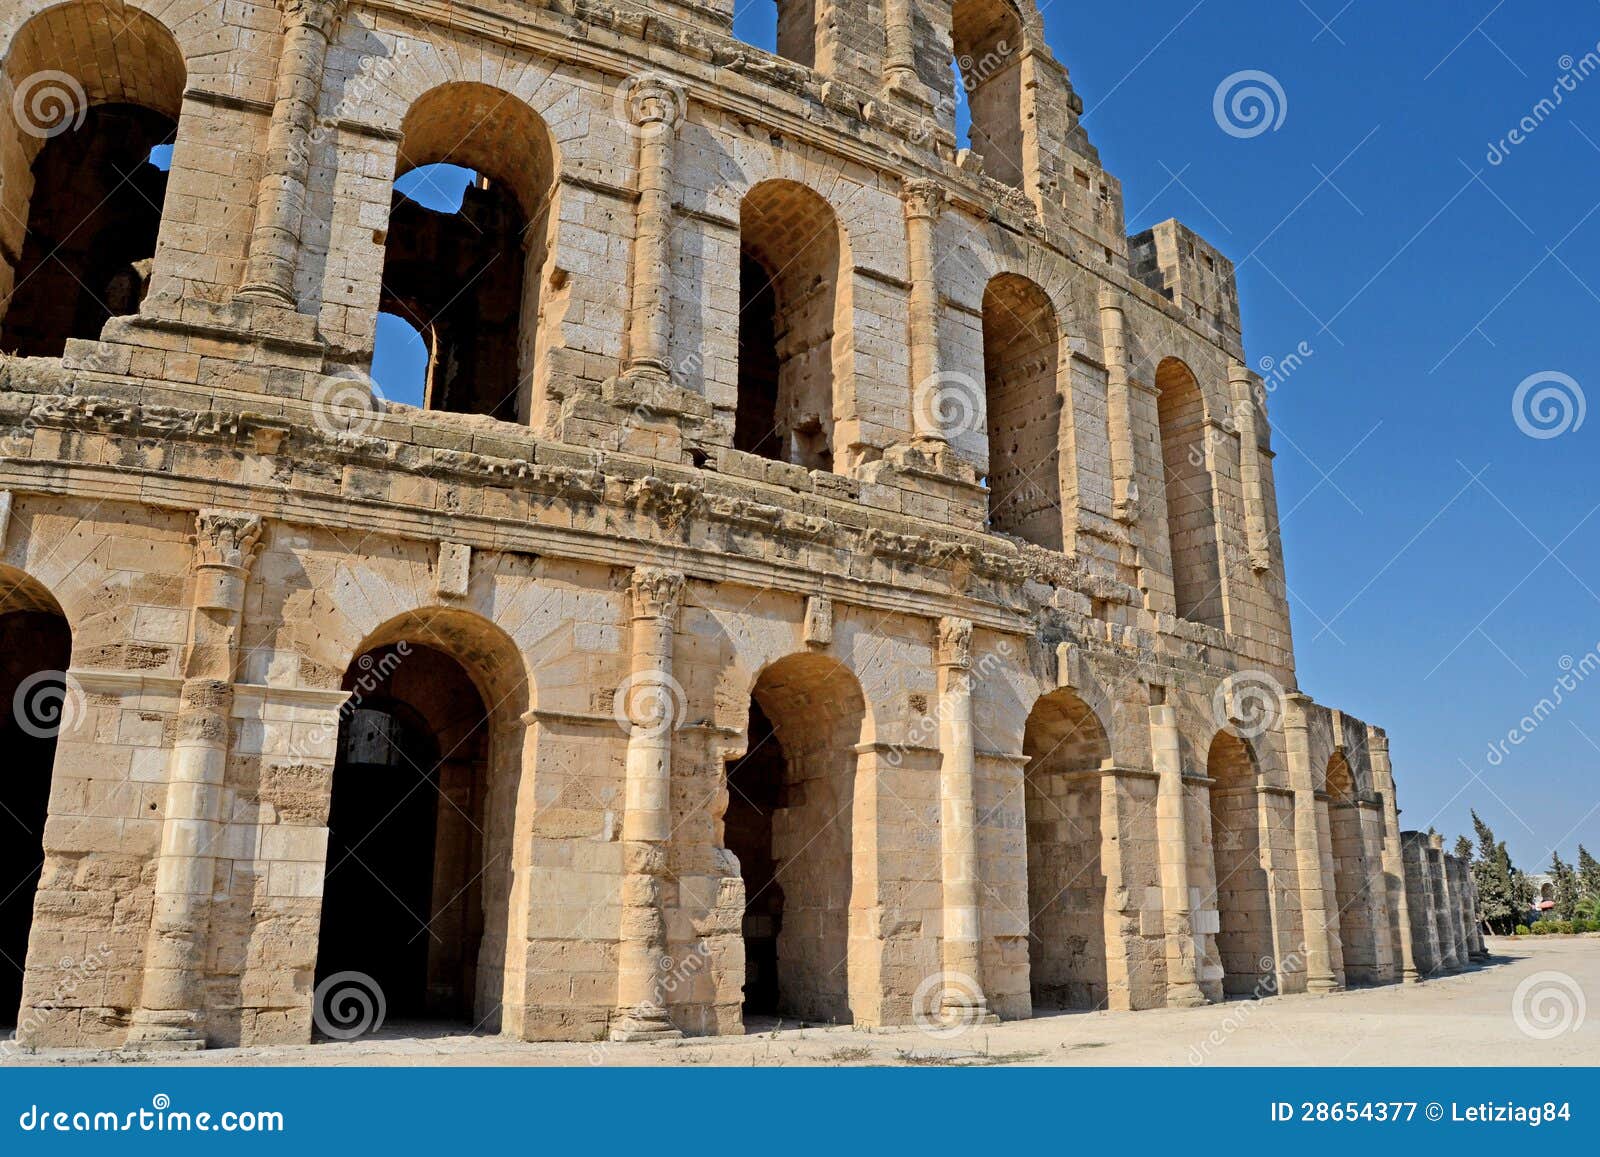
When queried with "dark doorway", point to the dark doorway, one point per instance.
{"points": [[402, 898], [755, 792], [34, 650], [755, 421]]}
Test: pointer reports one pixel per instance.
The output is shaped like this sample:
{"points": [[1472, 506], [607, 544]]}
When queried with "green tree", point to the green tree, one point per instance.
{"points": [[1464, 849], [1588, 874], [1500, 899], [1566, 887]]}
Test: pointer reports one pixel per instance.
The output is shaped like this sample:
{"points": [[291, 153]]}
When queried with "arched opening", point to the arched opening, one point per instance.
{"points": [[1191, 512], [790, 311], [466, 245], [1244, 909], [789, 824], [35, 706], [987, 38], [1351, 890], [1021, 360], [93, 93], [1066, 747], [401, 358], [418, 870]]}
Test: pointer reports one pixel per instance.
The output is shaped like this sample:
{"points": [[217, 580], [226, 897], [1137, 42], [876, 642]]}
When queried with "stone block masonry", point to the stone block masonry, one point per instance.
{"points": [[834, 573]]}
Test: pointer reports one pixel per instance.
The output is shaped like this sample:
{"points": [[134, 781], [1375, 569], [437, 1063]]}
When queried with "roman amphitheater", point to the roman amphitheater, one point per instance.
{"points": [[834, 574]]}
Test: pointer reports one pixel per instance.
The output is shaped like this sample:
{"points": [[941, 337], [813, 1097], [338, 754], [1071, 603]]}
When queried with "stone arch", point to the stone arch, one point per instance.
{"points": [[791, 825], [987, 38], [430, 757], [1066, 746], [38, 701], [89, 89], [470, 281], [1194, 544], [1244, 939], [1351, 872], [795, 349], [1022, 365]]}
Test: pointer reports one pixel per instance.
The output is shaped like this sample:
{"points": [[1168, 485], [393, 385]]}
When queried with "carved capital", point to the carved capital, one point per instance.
{"points": [[653, 102], [955, 643], [320, 15], [657, 593], [922, 197], [226, 538]]}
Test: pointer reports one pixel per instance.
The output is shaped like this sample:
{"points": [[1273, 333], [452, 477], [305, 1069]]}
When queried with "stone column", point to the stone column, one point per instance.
{"points": [[1441, 904], [172, 1001], [900, 56], [281, 195], [1257, 539], [922, 200], [1172, 835], [1369, 809], [1119, 407], [1321, 925], [651, 699], [655, 108], [962, 999], [1392, 856]]}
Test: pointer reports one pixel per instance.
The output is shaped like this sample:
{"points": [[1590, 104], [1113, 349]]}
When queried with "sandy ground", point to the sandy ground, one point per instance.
{"points": [[1466, 1019]]}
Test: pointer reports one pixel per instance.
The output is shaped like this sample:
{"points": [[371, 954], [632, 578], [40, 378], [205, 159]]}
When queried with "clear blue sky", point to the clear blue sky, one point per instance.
{"points": [[1443, 564]]}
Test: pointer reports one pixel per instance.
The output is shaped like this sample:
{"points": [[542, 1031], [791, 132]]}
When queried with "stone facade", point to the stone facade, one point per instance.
{"points": [[856, 595]]}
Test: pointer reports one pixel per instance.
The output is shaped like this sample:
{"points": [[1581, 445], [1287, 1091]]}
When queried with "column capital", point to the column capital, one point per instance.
{"points": [[955, 643], [320, 15], [226, 538], [657, 593], [653, 102], [922, 197]]}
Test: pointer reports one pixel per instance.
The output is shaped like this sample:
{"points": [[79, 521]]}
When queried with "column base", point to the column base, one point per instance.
{"points": [[271, 294], [1323, 986], [643, 1022], [1186, 996], [965, 1012], [1411, 976], [164, 1038]]}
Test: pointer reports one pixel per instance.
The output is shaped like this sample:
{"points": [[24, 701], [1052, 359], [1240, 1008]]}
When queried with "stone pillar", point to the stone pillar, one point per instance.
{"points": [[1119, 407], [1369, 810], [651, 701], [655, 107], [1172, 834], [1419, 903], [281, 195], [172, 1001], [1392, 856], [922, 200], [1320, 920], [1441, 904], [1257, 538], [900, 77], [962, 999]]}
